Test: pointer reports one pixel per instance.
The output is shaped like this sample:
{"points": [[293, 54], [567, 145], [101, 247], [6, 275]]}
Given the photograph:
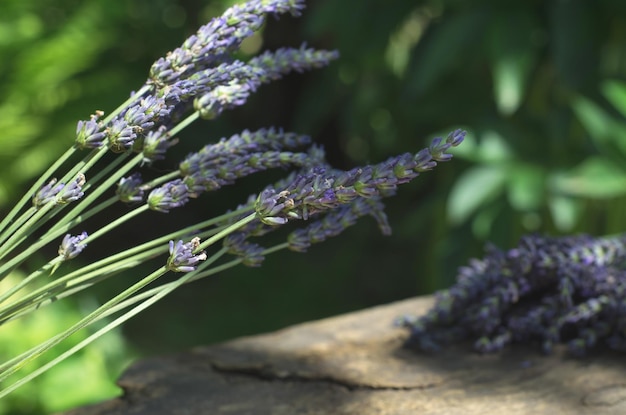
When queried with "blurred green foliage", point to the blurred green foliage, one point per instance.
{"points": [[540, 85]]}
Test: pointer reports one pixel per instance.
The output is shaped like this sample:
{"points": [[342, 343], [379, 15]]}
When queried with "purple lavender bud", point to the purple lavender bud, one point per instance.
{"points": [[202, 82], [456, 137], [155, 145], [424, 161], [169, 196], [151, 109], [59, 193], [439, 147], [71, 246], [129, 189], [269, 204], [182, 257], [72, 191], [137, 118], [121, 136], [223, 97], [251, 254], [47, 193], [89, 134]]}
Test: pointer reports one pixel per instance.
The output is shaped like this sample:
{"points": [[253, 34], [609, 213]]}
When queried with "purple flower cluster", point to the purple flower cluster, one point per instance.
{"points": [[547, 290], [338, 220], [129, 189], [242, 144], [269, 66], [212, 176], [71, 246], [60, 193], [220, 37], [336, 199], [169, 196], [183, 257], [203, 72]]}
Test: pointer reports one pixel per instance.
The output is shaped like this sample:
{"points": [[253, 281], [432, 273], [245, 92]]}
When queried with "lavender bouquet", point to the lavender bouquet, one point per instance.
{"points": [[199, 80], [547, 291]]}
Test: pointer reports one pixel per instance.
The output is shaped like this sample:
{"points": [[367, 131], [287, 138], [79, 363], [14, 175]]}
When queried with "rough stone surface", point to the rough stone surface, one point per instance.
{"points": [[355, 364]]}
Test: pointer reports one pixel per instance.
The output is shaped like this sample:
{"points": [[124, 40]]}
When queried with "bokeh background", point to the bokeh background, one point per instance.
{"points": [[539, 85]]}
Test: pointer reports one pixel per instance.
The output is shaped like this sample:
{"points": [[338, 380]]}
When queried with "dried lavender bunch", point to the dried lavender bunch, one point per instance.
{"points": [[547, 290], [197, 81]]}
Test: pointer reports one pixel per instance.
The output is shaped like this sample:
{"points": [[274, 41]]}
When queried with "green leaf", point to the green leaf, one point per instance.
{"points": [[443, 46], [607, 133], [615, 92], [595, 178], [575, 41], [565, 212], [513, 55], [475, 187], [526, 187], [493, 148]]}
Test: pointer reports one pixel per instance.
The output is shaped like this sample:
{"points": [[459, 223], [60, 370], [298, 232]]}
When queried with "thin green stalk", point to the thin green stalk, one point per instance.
{"points": [[108, 265], [227, 231], [153, 295], [95, 155], [61, 225], [15, 364], [90, 183], [17, 224], [99, 190], [55, 231], [184, 123], [60, 291], [163, 179], [137, 95], [5, 295], [162, 293], [199, 274], [32, 224], [35, 187], [21, 233], [117, 222]]}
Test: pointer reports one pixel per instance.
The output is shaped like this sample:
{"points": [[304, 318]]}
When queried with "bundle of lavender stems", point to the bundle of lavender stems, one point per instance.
{"points": [[198, 81], [546, 291]]}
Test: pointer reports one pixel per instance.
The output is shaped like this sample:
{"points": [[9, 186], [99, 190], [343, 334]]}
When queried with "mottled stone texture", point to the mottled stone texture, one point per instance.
{"points": [[355, 364]]}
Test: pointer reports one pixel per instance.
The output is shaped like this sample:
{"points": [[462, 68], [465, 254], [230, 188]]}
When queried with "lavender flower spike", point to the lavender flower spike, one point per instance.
{"points": [[182, 257], [336, 221], [59, 193], [244, 143], [321, 189], [71, 246], [262, 69], [274, 65], [221, 36], [250, 253]]}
